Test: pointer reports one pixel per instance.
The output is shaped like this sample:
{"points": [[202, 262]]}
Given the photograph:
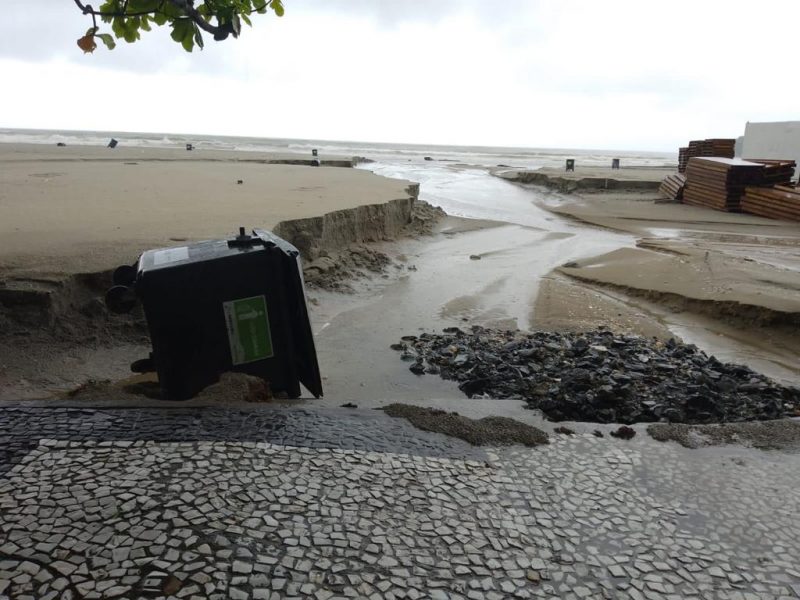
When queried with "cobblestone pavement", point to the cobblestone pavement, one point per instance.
{"points": [[272, 503]]}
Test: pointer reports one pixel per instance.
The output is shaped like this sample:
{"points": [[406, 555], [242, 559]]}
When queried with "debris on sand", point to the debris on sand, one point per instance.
{"points": [[766, 435], [231, 388], [599, 376], [624, 433], [335, 270], [489, 431], [237, 387], [89, 387]]}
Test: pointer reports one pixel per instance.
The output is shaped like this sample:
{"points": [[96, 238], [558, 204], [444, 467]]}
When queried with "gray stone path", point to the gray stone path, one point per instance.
{"points": [[281, 503]]}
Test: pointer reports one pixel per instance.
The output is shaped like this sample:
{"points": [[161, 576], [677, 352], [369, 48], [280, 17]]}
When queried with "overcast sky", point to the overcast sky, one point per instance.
{"points": [[640, 74]]}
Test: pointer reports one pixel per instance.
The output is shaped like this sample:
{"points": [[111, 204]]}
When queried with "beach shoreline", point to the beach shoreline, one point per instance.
{"points": [[611, 228]]}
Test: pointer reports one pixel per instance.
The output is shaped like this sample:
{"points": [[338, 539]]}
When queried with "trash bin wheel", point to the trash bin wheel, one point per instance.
{"points": [[124, 275], [120, 299]]}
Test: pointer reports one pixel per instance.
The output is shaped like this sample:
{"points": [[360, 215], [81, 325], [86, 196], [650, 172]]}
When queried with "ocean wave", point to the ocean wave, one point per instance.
{"points": [[401, 153]]}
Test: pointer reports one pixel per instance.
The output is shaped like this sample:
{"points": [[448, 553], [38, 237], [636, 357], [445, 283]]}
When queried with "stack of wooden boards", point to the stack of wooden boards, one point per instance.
{"points": [[718, 147], [758, 186], [672, 186], [719, 183], [776, 172], [722, 147], [683, 159], [779, 202]]}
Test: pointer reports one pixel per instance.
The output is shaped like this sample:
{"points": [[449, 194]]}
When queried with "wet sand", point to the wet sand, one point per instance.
{"points": [[589, 178], [728, 282], [504, 268], [692, 252], [84, 209], [624, 173]]}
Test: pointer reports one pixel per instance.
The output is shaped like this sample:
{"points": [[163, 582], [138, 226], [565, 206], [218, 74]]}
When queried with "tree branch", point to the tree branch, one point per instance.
{"points": [[87, 10], [219, 33]]}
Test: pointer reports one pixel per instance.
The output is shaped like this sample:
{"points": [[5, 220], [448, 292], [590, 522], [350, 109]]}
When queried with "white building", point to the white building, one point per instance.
{"points": [[771, 140]]}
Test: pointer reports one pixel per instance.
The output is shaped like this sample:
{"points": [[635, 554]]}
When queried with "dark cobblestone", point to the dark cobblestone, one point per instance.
{"points": [[283, 503], [21, 428]]}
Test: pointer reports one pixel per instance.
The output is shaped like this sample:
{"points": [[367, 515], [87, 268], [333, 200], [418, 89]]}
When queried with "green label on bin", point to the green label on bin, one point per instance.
{"points": [[248, 329]]}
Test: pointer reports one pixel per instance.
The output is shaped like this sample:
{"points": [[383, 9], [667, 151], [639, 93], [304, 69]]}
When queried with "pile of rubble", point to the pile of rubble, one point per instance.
{"points": [[599, 376]]}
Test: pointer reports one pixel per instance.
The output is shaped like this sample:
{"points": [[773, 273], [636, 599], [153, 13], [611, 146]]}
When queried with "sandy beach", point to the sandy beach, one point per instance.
{"points": [[84, 209], [70, 215], [530, 257]]}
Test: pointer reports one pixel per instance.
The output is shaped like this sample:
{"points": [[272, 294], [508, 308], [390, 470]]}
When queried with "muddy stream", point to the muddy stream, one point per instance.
{"points": [[486, 268]]}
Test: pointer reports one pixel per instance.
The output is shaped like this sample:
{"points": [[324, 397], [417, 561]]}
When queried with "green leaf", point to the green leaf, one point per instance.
{"points": [[110, 6], [118, 27], [132, 29], [172, 11], [107, 39], [159, 19], [145, 23], [246, 19], [183, 32], [180, 28], [198, 37], [236, 25], [136, 6], [277, 6]]}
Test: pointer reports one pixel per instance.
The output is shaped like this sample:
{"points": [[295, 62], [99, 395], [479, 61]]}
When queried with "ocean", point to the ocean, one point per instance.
{"points": [[482, 156]]}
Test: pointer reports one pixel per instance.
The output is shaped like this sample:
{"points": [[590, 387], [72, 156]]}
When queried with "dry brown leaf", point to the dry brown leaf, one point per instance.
{"points": [[87, 43]]}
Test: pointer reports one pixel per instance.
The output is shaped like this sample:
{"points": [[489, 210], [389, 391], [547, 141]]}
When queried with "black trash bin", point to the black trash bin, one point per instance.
{"points": [[570, 164], [223, 305]]}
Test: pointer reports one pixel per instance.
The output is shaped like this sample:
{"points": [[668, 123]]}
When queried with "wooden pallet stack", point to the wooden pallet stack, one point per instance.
{"points": [[779, 202], [683, 158], [719, 183], [672, 186], [723, 147], [776, 172], [693, 149]]}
